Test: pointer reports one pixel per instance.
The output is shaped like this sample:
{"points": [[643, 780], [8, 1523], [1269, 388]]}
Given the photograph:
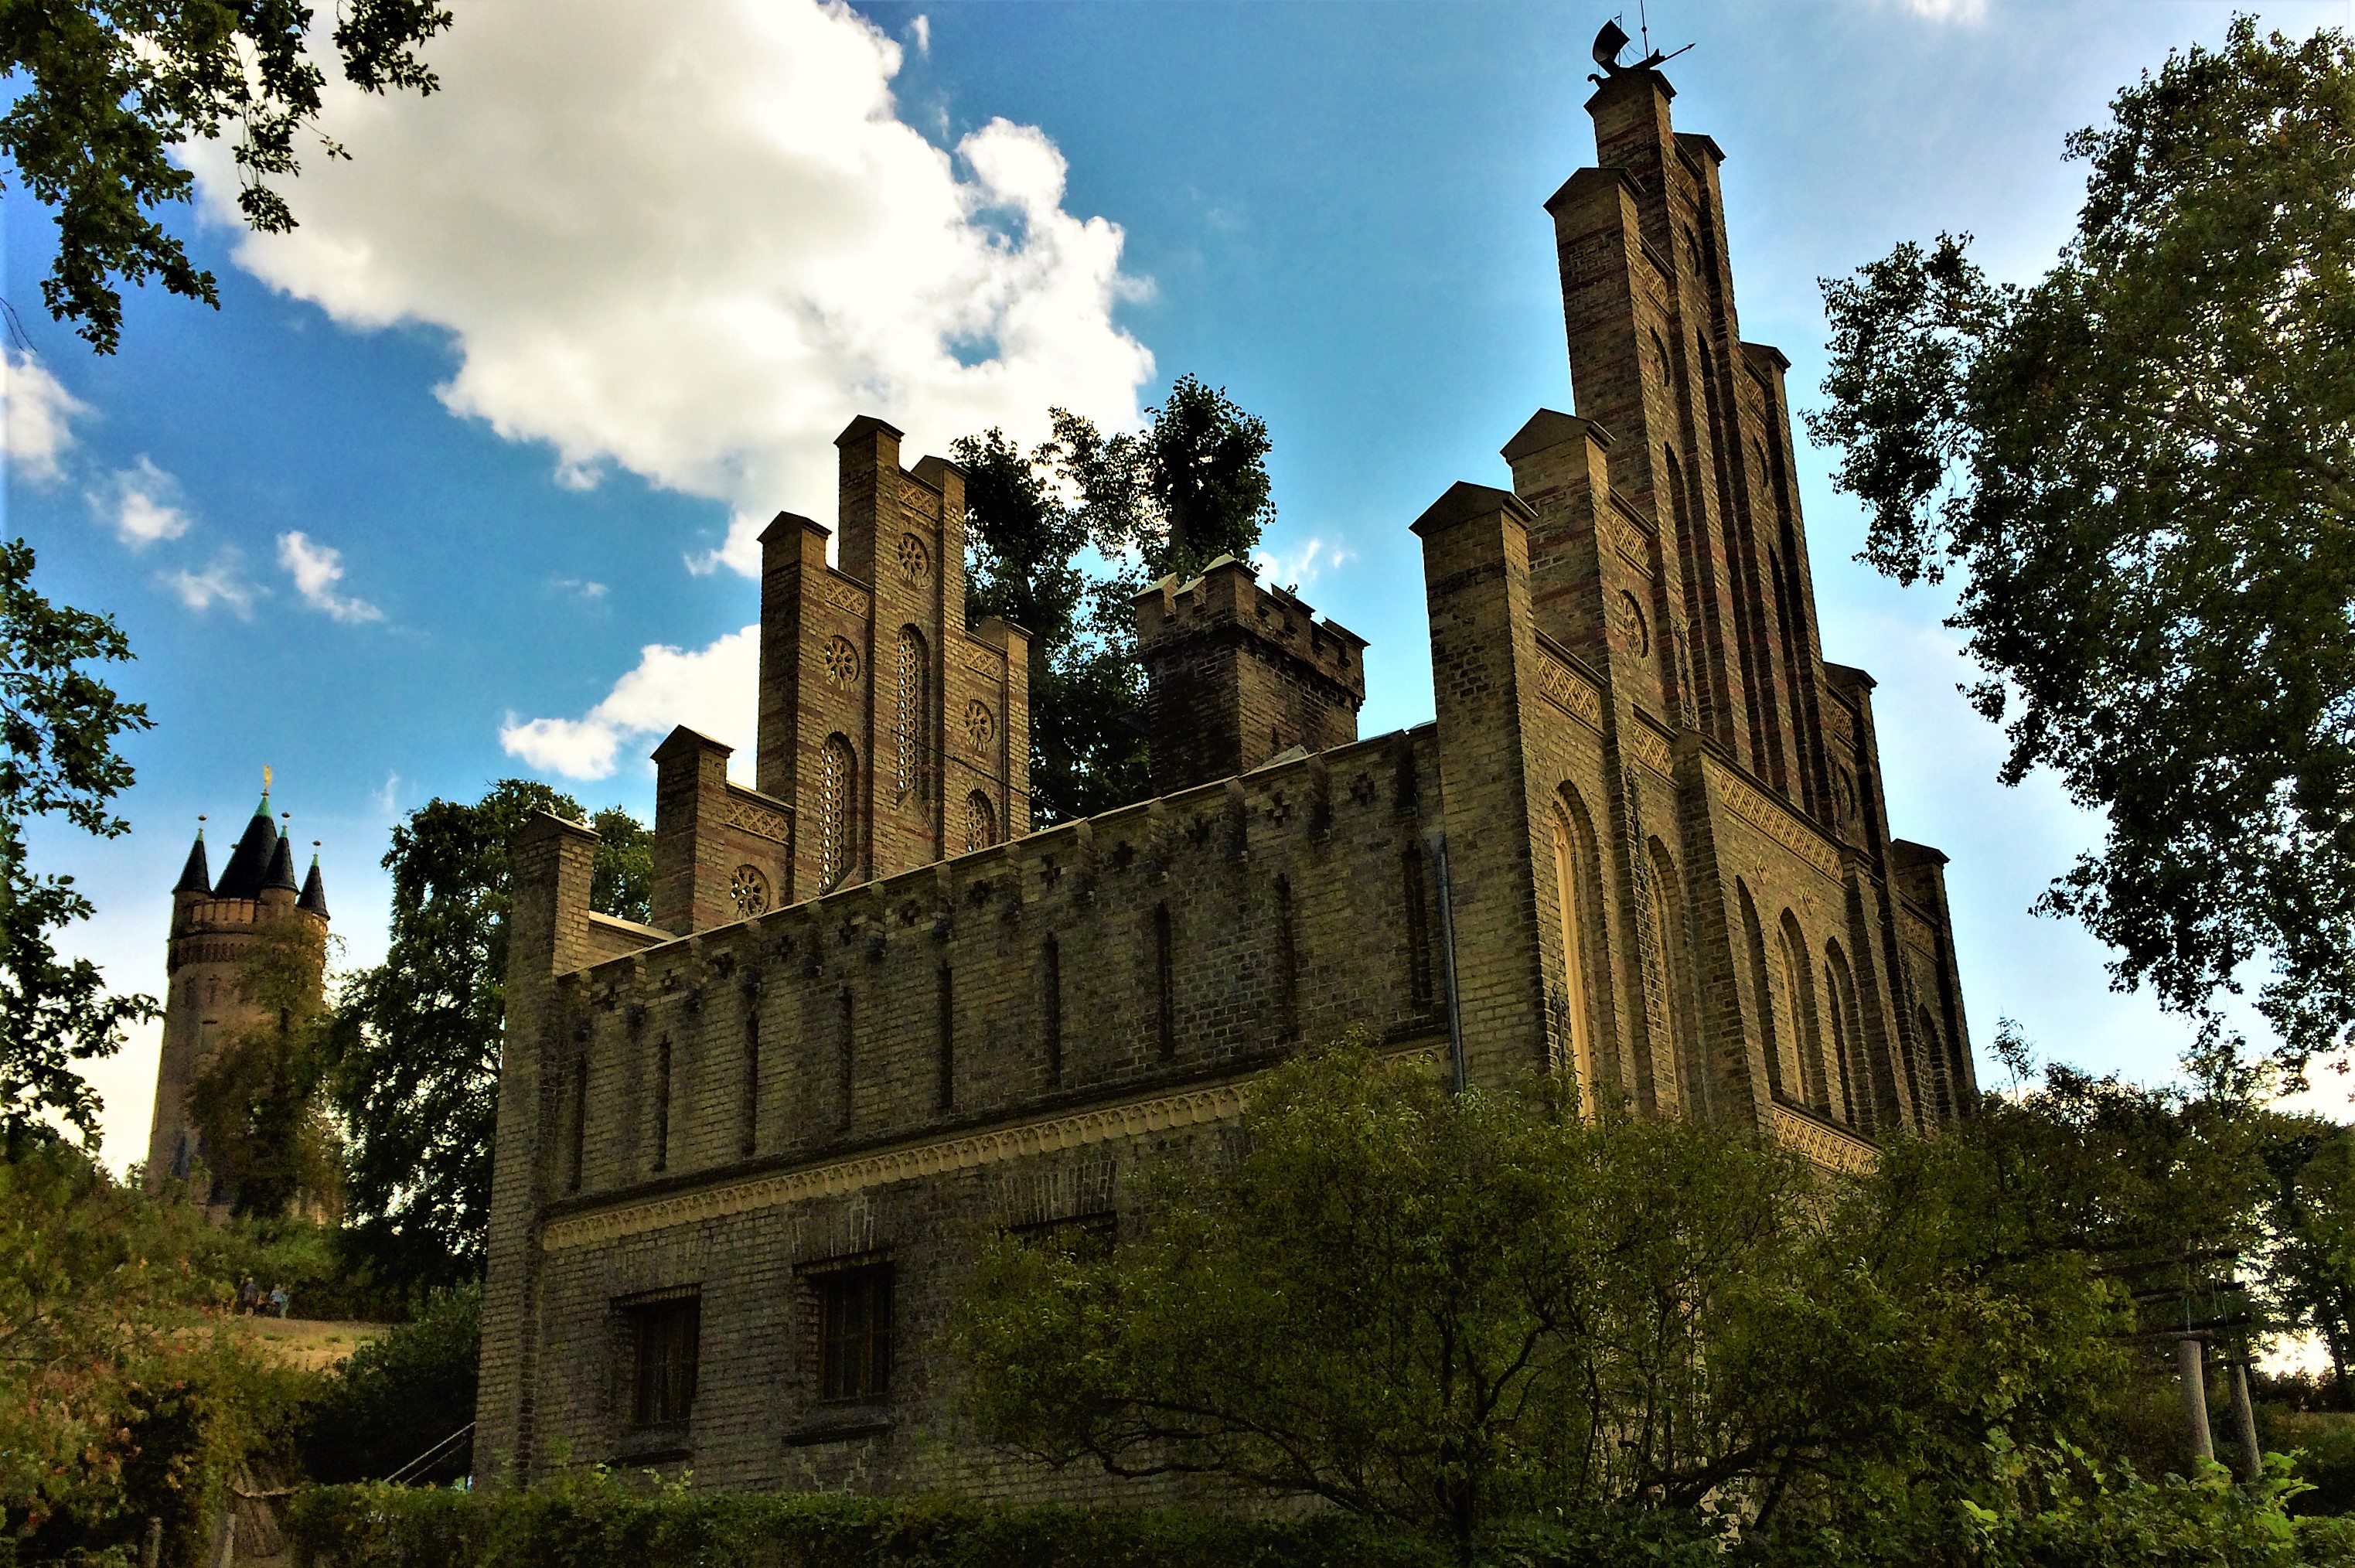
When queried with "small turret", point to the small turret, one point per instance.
{"points": [[279, 878], [314, 890], [195, 877]]}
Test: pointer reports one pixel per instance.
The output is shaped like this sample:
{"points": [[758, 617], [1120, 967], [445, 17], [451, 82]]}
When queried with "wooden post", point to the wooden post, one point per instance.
{"points": [[151, 1555], [2193, 1367]]}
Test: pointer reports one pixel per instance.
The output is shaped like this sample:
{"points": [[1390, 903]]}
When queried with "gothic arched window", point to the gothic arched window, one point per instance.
{"points": [[1799, 985], [911, 727], [980, 822], [838, 813]]}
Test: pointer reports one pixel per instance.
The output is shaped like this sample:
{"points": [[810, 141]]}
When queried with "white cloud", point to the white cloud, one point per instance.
{"points": [[714, 690], [696, 253], [1948, 10], [223, 583], [40, 415], [1300, 566], [920, 32], [142, 504], [587, 593], [316, 569]]}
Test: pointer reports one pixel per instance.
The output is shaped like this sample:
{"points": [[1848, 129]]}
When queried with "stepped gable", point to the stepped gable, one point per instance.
{"points": [[315, 892], [195, 877], [249, 864]]}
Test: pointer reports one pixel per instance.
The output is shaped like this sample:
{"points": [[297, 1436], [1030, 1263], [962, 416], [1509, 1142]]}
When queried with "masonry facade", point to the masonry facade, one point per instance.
{"points": [[742, 1153]]}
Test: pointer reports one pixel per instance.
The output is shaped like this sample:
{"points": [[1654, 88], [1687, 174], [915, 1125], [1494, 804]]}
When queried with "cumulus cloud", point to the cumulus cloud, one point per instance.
{"points": [[39, 414], [316, 569], [696, 253], [714, 690], [223, 583], [920, 33], [142, 504], [1302, 566]]}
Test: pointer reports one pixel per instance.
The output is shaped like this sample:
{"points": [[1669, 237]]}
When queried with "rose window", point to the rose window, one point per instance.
{"points": [[841, 661], [914, 562], [977, 727], [750, 890]]}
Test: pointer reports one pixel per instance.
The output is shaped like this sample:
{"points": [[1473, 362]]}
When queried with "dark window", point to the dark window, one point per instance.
{"points": [[944, 1090], [580, 1116], [1287, 964], [1165, 985], [855, 1333], [752, 1081], [843, 1043], [1418, 929], [1050, 1006], [662, 1334], [662, 1105]]}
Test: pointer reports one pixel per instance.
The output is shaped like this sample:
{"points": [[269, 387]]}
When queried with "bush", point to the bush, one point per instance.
{"points": [[598, 1522], [399, 1396]]}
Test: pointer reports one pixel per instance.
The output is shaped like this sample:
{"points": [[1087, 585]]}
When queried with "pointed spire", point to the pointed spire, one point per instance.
{"points": [[314, 890], [195, 877], [249, 862], [282, 868]]}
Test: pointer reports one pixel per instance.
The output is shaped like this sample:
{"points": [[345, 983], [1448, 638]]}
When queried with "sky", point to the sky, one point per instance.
{"points": [[461, 481]]}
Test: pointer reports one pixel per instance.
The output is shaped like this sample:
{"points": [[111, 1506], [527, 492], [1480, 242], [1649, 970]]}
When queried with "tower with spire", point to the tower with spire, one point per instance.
{"points": [[214, 925]]}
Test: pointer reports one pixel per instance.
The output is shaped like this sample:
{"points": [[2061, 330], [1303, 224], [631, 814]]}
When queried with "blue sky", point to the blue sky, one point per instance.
{"points": [[460, 481]]}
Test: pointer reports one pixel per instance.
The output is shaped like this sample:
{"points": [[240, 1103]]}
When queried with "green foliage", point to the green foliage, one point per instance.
{"points": [[122, 1394], [598, 1519], [1063, 537], [58, 724], [416, 1053], [109, 88], [622, 882], [2311, 1216], [2143, 464], [399, 1396], [258, 1100]]}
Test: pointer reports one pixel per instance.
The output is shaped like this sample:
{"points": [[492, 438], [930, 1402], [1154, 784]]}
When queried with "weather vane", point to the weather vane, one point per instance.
{"points": [[1613, 37]]}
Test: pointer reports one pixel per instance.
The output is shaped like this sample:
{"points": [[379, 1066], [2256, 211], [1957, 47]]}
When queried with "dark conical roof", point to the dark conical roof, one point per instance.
{"points": [[195, 877], [282, 868], [315, 892], [250, 863]]}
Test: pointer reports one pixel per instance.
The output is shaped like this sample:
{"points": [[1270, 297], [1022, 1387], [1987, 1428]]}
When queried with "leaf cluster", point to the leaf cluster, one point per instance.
{"points": [[1063, 538], [110, 87], [2143, 467]]}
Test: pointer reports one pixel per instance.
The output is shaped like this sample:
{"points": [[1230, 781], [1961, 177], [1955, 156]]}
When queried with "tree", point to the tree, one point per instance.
{"points": [[621, 884], [1431, 1308], [416, 1055], [2311, 1268], [58, 723], [1063, 537], [260, 1100], [2143, 466], [110, 87]]}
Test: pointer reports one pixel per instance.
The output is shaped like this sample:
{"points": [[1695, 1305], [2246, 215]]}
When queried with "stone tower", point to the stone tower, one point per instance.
{"points": [[213, 926]]}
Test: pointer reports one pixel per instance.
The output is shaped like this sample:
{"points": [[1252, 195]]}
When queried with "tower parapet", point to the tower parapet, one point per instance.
{"points": [[1238, 674]]}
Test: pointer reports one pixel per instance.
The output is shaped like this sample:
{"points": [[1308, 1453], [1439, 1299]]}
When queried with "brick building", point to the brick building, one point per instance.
{"points": [[213, 927], [742, 1153]]}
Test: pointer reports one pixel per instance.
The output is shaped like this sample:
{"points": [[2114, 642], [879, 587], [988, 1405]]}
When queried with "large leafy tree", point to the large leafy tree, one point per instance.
{"points": [[108, 88], [2142, 468], [258, 1099], [415, 1076], [58, 724], [1062, 537]]}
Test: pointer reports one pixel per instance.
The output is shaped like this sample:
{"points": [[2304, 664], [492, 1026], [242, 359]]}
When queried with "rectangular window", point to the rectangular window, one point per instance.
{"points": [[1287, 964], [1087, 1237], [1418, 929], [1050, 1007], [853, 1308], [663, 1331]]}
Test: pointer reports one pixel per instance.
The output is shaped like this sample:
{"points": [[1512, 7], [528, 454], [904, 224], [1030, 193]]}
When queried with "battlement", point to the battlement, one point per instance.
{"points": [[1239, 674]]}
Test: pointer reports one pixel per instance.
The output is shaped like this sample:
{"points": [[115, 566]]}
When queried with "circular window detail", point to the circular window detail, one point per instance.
{"points": [[750, 890], [841, 661], [1632, 626], [978, 726], [915, 561]]}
